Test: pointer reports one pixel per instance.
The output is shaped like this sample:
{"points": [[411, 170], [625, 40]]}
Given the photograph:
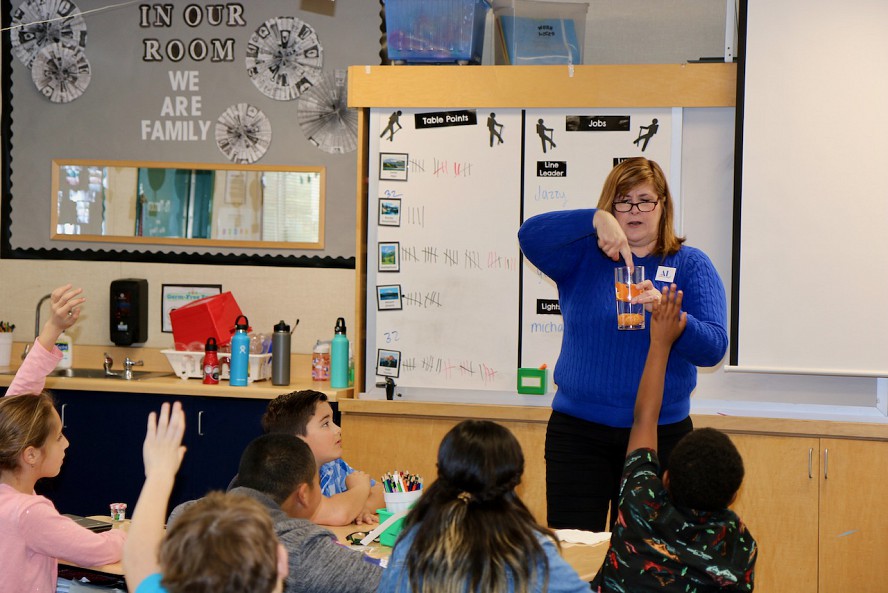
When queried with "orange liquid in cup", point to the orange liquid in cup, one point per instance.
{"points": [[625, 292], [630, 319]]}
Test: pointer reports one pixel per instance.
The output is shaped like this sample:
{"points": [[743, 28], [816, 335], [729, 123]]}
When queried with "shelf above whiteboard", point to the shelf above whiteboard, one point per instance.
{"points": [[630, 85]]}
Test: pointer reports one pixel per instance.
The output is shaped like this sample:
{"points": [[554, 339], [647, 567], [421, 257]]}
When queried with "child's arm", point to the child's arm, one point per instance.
{"points": [[43, 356], [375, 501], [667, 323], [162, 453], [343, 508]]}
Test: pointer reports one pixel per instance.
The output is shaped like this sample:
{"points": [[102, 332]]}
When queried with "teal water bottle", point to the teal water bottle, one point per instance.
{"points": [[240, 353], [339, 357]]}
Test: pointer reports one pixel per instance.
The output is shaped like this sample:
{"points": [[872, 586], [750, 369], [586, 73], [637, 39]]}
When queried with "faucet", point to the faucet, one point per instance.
{"points": [[107, 364], [128, 367], [36, 324]]}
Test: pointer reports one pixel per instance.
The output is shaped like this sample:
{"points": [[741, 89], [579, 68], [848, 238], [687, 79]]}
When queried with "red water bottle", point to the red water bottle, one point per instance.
{"points": [[211, 363]]}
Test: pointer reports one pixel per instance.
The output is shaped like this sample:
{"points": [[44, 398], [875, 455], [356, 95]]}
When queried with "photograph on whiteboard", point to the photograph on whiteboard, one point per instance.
{"points": [[389, 257], [388, 297], [388, 362], [389, 212], [393, 166]]}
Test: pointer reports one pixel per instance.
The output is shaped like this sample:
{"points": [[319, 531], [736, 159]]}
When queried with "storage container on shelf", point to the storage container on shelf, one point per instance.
{"points": [[530, 32], [435, 31]]}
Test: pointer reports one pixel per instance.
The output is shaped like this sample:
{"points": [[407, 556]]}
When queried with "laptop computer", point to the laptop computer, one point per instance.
{"points": [[91, 524]]}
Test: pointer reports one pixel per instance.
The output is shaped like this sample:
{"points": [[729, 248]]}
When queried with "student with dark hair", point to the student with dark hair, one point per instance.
{"points": [[278, 470], [471, 532], [349, 494], [676, 533]]}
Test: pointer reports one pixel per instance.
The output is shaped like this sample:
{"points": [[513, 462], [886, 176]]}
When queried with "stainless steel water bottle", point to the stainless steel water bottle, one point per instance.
{"points": [[280, 354]]}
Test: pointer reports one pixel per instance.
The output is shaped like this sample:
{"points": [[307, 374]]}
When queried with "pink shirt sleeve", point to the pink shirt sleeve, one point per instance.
{"points": [[31, 376], [57, 536]]}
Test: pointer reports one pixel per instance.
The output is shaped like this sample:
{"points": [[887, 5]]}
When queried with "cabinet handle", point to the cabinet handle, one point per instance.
{"points": [[811, 463], [826, 464], [200, 423], [63, 416]]}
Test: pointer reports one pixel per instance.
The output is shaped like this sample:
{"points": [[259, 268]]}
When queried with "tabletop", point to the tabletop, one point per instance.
{"points": [[585, 559]]}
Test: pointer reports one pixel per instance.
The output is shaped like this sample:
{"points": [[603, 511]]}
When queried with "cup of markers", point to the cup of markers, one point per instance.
{"points": [[6, 330], [401, 490]]}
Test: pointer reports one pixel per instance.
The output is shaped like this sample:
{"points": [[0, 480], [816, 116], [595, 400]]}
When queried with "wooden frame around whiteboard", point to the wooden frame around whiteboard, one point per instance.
{"points": [[647, 85]]}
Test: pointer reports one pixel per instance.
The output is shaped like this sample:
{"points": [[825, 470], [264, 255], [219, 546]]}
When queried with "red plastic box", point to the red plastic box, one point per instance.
{"points": [[210, 317]]}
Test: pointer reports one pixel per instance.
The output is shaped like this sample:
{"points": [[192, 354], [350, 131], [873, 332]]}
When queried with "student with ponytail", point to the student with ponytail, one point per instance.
{"points": [[471, 532]]}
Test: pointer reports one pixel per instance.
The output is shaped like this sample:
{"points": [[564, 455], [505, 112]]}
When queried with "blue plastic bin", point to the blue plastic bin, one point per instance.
{"points": [[435, 31]]}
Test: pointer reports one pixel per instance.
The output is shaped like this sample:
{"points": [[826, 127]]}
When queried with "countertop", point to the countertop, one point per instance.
{"points": [[92, 356]]}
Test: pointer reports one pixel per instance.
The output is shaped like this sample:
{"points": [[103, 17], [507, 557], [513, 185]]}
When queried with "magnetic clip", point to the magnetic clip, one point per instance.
{"points": [[389, 385]]}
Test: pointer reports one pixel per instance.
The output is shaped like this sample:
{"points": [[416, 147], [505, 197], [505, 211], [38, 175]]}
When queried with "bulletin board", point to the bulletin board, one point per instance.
{"points": [[453, 309], [182, 82]]}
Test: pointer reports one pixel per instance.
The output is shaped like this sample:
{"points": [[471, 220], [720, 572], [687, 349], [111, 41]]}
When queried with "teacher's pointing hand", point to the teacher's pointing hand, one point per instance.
{"points": [[611, 237]]}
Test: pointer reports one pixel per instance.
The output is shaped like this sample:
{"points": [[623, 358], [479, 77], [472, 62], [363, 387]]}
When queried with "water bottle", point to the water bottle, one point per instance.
{"points": [[211, 362], [339, 357], [240, 353], [280, 354]]}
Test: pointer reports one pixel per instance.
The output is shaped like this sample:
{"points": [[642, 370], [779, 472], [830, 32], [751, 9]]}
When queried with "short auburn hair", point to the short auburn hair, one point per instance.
{"points": [[628, 175], [223, 543]]}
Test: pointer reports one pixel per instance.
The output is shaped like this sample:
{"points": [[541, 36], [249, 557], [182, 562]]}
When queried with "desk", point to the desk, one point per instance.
{"points": [[586, 560]]}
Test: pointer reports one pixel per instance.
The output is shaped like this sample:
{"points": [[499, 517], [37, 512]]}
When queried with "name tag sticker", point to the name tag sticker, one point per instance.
{"points": [[665, 274]]}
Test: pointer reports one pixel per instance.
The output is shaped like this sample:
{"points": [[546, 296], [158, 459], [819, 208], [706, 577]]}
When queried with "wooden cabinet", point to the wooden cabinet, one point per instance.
{"points": [[814, 507]]}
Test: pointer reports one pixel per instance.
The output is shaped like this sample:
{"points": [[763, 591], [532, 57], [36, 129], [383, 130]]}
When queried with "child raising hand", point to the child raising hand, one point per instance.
{"points": [[676, 533]]}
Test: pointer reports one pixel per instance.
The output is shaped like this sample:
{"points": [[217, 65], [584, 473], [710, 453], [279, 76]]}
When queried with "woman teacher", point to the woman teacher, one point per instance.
{"points": [[599, 366]]}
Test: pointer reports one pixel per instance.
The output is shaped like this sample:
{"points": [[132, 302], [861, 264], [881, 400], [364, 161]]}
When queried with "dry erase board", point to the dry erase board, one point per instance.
{"points": [[451, 305], [810, 259]]}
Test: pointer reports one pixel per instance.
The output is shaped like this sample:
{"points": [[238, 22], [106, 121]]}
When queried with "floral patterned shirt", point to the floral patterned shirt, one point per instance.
{"points": [[333, 475], [657, 546]]}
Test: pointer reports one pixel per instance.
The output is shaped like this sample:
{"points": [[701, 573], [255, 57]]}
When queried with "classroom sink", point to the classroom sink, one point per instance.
{"points": [[101, 374]]}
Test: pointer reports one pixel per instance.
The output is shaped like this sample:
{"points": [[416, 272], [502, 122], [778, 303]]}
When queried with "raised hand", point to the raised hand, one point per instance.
{"points": [[667, 319]]}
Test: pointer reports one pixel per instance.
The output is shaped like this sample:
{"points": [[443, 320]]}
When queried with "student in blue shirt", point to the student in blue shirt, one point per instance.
{"points": [[470, 532], [350, 496]]}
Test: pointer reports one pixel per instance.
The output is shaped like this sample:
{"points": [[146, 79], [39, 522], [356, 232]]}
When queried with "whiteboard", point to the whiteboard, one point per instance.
{"points": [[813, 204], [466, 317]]}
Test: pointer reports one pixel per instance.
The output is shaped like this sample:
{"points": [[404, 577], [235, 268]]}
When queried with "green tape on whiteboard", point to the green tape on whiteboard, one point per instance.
{"points": [[532, 381]]}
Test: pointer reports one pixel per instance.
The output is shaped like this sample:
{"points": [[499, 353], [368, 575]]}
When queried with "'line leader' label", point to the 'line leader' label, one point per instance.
{"points": [[551, 168]]}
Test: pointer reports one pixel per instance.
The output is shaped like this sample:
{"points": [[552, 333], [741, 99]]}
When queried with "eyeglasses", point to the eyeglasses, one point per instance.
{"points": [[356, 537], [643, 206]]}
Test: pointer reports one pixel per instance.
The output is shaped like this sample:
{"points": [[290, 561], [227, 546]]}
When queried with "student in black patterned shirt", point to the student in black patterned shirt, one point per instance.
{"points": [[676, 534]]}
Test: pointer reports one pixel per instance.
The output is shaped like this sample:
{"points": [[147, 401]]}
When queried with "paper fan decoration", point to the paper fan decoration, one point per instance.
{"points": [[38, 23], [324, 116], [243, 133], [61, 72], [284, 57]]}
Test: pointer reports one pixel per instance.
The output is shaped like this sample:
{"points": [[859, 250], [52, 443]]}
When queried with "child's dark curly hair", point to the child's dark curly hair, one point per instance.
{"points": [[705, 471]]}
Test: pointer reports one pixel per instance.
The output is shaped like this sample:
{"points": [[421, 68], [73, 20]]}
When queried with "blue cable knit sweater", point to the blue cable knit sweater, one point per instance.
{"points": [[599, 366]]}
